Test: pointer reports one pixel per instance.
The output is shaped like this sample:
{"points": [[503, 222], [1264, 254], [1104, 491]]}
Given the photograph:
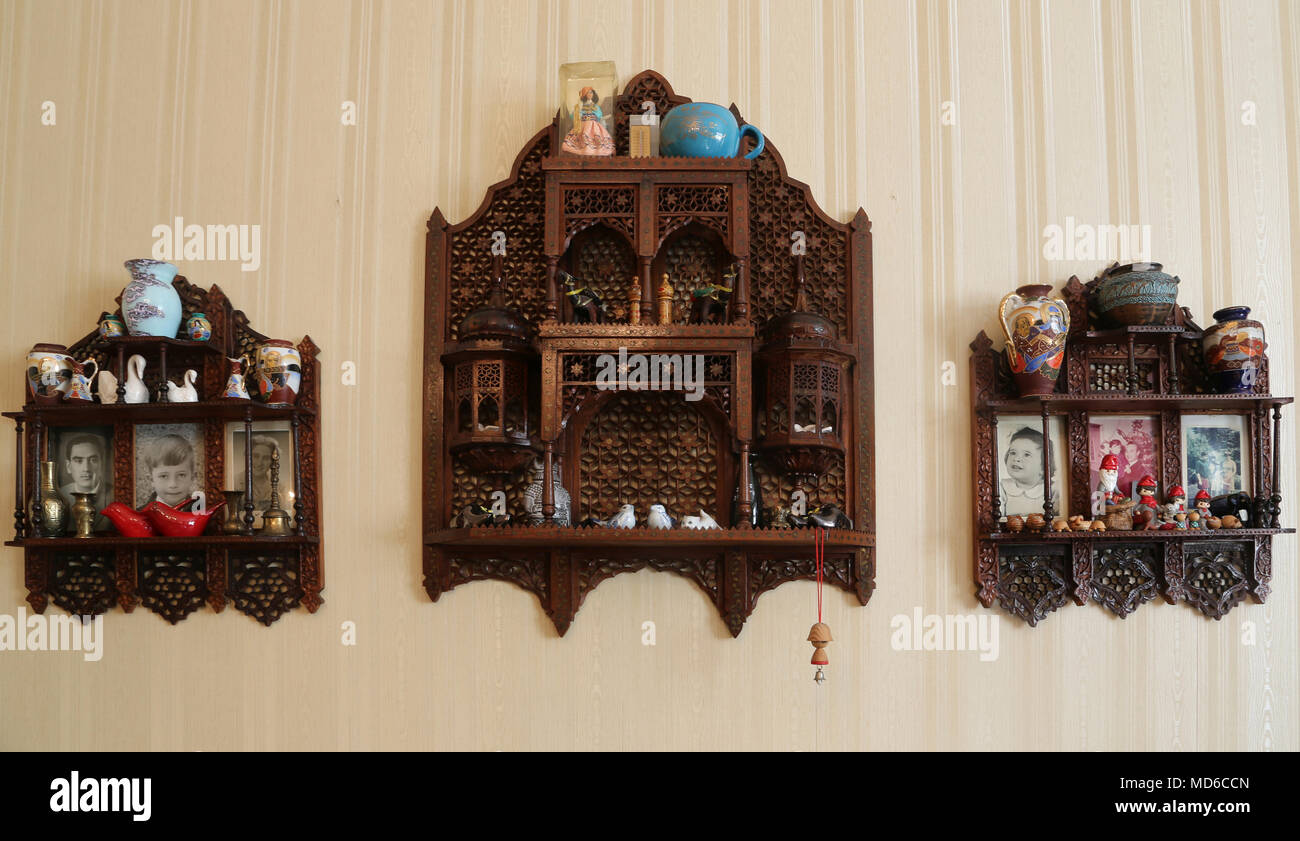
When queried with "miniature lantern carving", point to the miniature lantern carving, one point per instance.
{"points": [[493, 424], [800, 418]]}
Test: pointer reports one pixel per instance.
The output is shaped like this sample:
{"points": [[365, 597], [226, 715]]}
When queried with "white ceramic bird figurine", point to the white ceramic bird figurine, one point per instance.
{"points": [[704, 521], [136, 391], [106, 385], [625, 518], [184, 393], [659, 518]]}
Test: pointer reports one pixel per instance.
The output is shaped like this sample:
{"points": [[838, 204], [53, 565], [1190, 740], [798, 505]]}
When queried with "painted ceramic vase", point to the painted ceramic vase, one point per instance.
{"points": [[150, 304], [79, 386], [1036, 328], [277, 372], [49, 372], [1234, 350], [533, 497], [1136, 295], [49, 510], [110, 326], [704, 130], [235, 387], [198, 328]]}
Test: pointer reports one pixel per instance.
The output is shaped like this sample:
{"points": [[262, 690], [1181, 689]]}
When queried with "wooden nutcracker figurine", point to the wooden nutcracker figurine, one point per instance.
{"points": [[665, 299], [634, 302]]}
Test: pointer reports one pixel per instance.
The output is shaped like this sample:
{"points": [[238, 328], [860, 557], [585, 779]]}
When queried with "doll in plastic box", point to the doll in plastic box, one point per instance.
{"points": [[588, 135]]}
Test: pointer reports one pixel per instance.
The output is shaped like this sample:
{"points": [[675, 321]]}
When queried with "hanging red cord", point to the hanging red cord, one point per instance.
{"points": [[820, 635]]}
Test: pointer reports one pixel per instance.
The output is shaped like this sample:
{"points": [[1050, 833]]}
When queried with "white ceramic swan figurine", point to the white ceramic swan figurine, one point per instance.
{"points": [[184, 393], [136, 391]]}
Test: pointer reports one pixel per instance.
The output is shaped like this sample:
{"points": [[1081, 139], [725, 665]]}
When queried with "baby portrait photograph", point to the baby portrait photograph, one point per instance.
{"points": [[168, 463], [1021, 485]]}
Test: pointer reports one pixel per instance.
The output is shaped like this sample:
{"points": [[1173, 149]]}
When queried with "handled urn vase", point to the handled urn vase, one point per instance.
{"points": [[1036, 328]]}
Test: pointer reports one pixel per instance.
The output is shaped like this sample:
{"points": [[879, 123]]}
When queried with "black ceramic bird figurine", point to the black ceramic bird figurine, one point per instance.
{"points": [[476, 515], [829, 517]]}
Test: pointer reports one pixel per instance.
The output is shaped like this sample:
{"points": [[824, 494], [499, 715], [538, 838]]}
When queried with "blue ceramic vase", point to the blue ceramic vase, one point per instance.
{"points": [[704, 130], [150, 304]]}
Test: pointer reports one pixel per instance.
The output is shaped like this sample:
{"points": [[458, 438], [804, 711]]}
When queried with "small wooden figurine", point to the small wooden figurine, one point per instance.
{"points": [[665, 301], [820, 637], [634, 302]]}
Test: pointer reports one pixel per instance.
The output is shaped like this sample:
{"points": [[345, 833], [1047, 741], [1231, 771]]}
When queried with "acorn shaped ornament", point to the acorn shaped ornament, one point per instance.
{"points": [[820, 637]]}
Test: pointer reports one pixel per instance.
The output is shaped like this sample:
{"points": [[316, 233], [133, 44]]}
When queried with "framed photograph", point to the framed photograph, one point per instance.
{"points": [[1134, 442], [83, 463], [1216, 454], [1020, 464], [269, 438], [169, 462]]}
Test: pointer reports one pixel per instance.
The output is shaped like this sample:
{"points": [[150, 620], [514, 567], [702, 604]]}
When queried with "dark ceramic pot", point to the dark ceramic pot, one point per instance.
{"points": [[1136, 295]]}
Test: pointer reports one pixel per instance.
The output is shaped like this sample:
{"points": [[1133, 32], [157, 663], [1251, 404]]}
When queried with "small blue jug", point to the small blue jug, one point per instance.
{"points": [[704, 130]]}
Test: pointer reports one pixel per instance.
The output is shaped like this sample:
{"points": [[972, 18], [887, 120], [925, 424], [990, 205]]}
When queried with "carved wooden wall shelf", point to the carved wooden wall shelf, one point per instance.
{"points": [[1150, 371], [615, 222], [264, 577]]}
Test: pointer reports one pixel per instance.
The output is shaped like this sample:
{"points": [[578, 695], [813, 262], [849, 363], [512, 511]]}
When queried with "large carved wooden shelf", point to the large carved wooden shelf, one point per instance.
{"points": [[618, 227], [1156, 371], [263, 577]]}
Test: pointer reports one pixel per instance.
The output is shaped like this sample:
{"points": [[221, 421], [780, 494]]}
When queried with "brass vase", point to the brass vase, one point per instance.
{"points": [[83, 513], [234, 510], [49, 511]]}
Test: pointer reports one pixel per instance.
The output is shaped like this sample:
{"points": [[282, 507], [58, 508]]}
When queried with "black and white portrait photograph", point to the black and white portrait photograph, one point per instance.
{"points": [[83, 458], [1214, 456], [270, 438], [1021, 485], [168, 463]]}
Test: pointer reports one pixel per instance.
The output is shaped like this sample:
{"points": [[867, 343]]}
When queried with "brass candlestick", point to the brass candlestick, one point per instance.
{"points": [[275, 520], [83, 513], [665, 300]]}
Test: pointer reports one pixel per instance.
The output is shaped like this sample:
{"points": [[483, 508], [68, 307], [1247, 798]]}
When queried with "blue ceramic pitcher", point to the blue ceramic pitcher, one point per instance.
{"points": [[704, 130]]}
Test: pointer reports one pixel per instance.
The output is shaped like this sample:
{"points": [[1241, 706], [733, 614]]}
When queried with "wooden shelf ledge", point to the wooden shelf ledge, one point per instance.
{"points": [[644, 537], [1129, 536], [63, 414]]}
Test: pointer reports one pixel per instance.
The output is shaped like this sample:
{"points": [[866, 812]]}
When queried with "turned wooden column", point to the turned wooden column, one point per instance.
{"points": [[740, 313], [248, 471], [746, 495], [20, 512], [552, 293], [548, 484], [1049, 510], [647, 294]]}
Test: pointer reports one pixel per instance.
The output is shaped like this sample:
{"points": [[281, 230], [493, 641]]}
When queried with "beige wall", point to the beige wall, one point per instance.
{"points": [[1106, 111]]}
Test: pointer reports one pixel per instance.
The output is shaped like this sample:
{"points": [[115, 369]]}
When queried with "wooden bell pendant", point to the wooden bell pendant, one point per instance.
{"points": [[820, 637]]}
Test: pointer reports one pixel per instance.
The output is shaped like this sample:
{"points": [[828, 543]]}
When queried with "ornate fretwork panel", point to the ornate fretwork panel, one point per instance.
{"points": [[702, 569], [1111, 375], [1216, 576], [265, 585], [614, 207], [82, 583], [678, 205], [1124, 577], [1033, 582], [778, 207], [777, 487], [518, 211], [606, 265], [690, 259], [173, 583], [468, 488], [646, 448]]}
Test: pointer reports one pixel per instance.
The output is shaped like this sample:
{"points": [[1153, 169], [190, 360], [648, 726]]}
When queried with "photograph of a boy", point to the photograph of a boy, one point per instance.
{"points": [[1021, 487], [169, 467]]}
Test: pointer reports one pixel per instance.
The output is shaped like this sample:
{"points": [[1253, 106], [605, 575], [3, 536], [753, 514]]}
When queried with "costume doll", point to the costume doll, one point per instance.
{"points": [[588, 135]]}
